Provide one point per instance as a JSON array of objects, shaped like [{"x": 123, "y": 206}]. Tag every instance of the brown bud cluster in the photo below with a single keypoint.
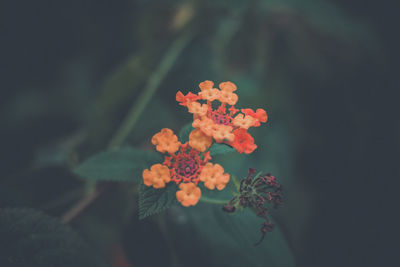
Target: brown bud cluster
[{"x": 256, "y": 193}]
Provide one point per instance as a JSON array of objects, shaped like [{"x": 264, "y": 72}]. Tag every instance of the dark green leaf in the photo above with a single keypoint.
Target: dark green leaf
[
  {"x": 217, "y": 149},
  {"x": 30, "y": 238},
  {"x": 153, "y": 201},
  {"x": 124, "y": 164},
  {"x": 227, "y": 238},
  {"x": 184, "y": 133}
]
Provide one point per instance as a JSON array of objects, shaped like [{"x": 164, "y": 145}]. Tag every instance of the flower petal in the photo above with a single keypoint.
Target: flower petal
[
  {"x": 157, "y": 176},
  {"x": 189, "y": 194},
  {"x": 199, "y": 140},
  {"x": 166, "y": 141}
]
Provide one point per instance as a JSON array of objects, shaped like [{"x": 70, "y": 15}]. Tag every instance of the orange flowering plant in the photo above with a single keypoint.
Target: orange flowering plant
[
  {"x": 213, "y": 120},
  {"x": 181, "y": 168},
  {"x": 186, "y": 165}
]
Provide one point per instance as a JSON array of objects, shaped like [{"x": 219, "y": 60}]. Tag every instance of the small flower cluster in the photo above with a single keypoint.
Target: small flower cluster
[
  {"x": 188, "y": 164},
  {"x": 213, "y": 119},
  {"x": 254, "y": 193}
]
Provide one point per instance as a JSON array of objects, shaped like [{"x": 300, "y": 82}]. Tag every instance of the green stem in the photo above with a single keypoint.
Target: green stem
[
  {"x": 151, "y": 87},
  {"x": 81, "y": 205},
  {"x": 213, "y": 201},
  {"x": 236, "y": 182}
]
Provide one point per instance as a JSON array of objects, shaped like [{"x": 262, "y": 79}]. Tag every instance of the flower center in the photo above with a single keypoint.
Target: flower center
[
  {"x": 187, "y": 166},
  {"x": 219, "y": 118}
]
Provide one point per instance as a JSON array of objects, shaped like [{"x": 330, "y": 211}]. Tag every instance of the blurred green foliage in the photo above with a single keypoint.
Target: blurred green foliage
[
  {"x": 206, "y": 236},
  {"x": 30, "y": 238},
  {"x": 125, "y": 164},
  {"x": 72, "y": 84}
]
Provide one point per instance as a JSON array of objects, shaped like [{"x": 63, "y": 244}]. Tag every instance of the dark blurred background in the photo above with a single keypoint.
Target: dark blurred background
[{"x": 326, "y": 71}]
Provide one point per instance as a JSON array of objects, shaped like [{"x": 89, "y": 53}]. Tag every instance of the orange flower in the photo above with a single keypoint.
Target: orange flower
[
  {"x": 260, "y": 115},
  {"x": 157, "y": 176},
  {"x": 210, "y": 94},
  {"x": 189, "y": 194},
  {"x": 206, "y": 85},
  {"x": 183, "y": 99},
  {"x": 200, "y": 141},
  {"x": 197, "y": 108},
  {"x": 243, "y": 142},
  {"x": 166, "y": 141},
  {"x": 185, "y": 162},
  {"x": 213, "y": 176},
  {"x": 244, "y": 122},
  {"x": 227, "y": 86},
  {"x": 233, "y": 110},
  {"x": 219, "y": 124},
  {"x": 205, "y": 124},
  {"x": 228, "y": 97},
  {"x": 183, "y": 165},
  {"x": 223, "y": 133}
]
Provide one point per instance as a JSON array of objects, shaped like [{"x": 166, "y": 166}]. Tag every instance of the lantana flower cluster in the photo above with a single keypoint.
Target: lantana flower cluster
[
  {"x": 188, "y": 164},
  {"x": 185, "y": 164},
  {"x": 215, "y": 115}
]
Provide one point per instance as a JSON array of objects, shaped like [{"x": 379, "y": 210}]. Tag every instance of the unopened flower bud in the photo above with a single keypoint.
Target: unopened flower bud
[{"x": 229, "y": 209}]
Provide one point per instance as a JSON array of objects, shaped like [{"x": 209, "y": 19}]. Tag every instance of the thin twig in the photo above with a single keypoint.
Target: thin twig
[
  {"x": 82, "y": 204},
  {"x": 67, "y": 198}
]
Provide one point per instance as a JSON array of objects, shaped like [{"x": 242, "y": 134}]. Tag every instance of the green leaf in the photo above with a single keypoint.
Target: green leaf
[
  {"x": 124, "y": 164},
  {"x": 227, "y": 238},
  {"x": 153, "y": 201},
  {"x": 31, "y": 238},
  {"x": 185, "y": 132},
  {"x": 218, "y": 149}
]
